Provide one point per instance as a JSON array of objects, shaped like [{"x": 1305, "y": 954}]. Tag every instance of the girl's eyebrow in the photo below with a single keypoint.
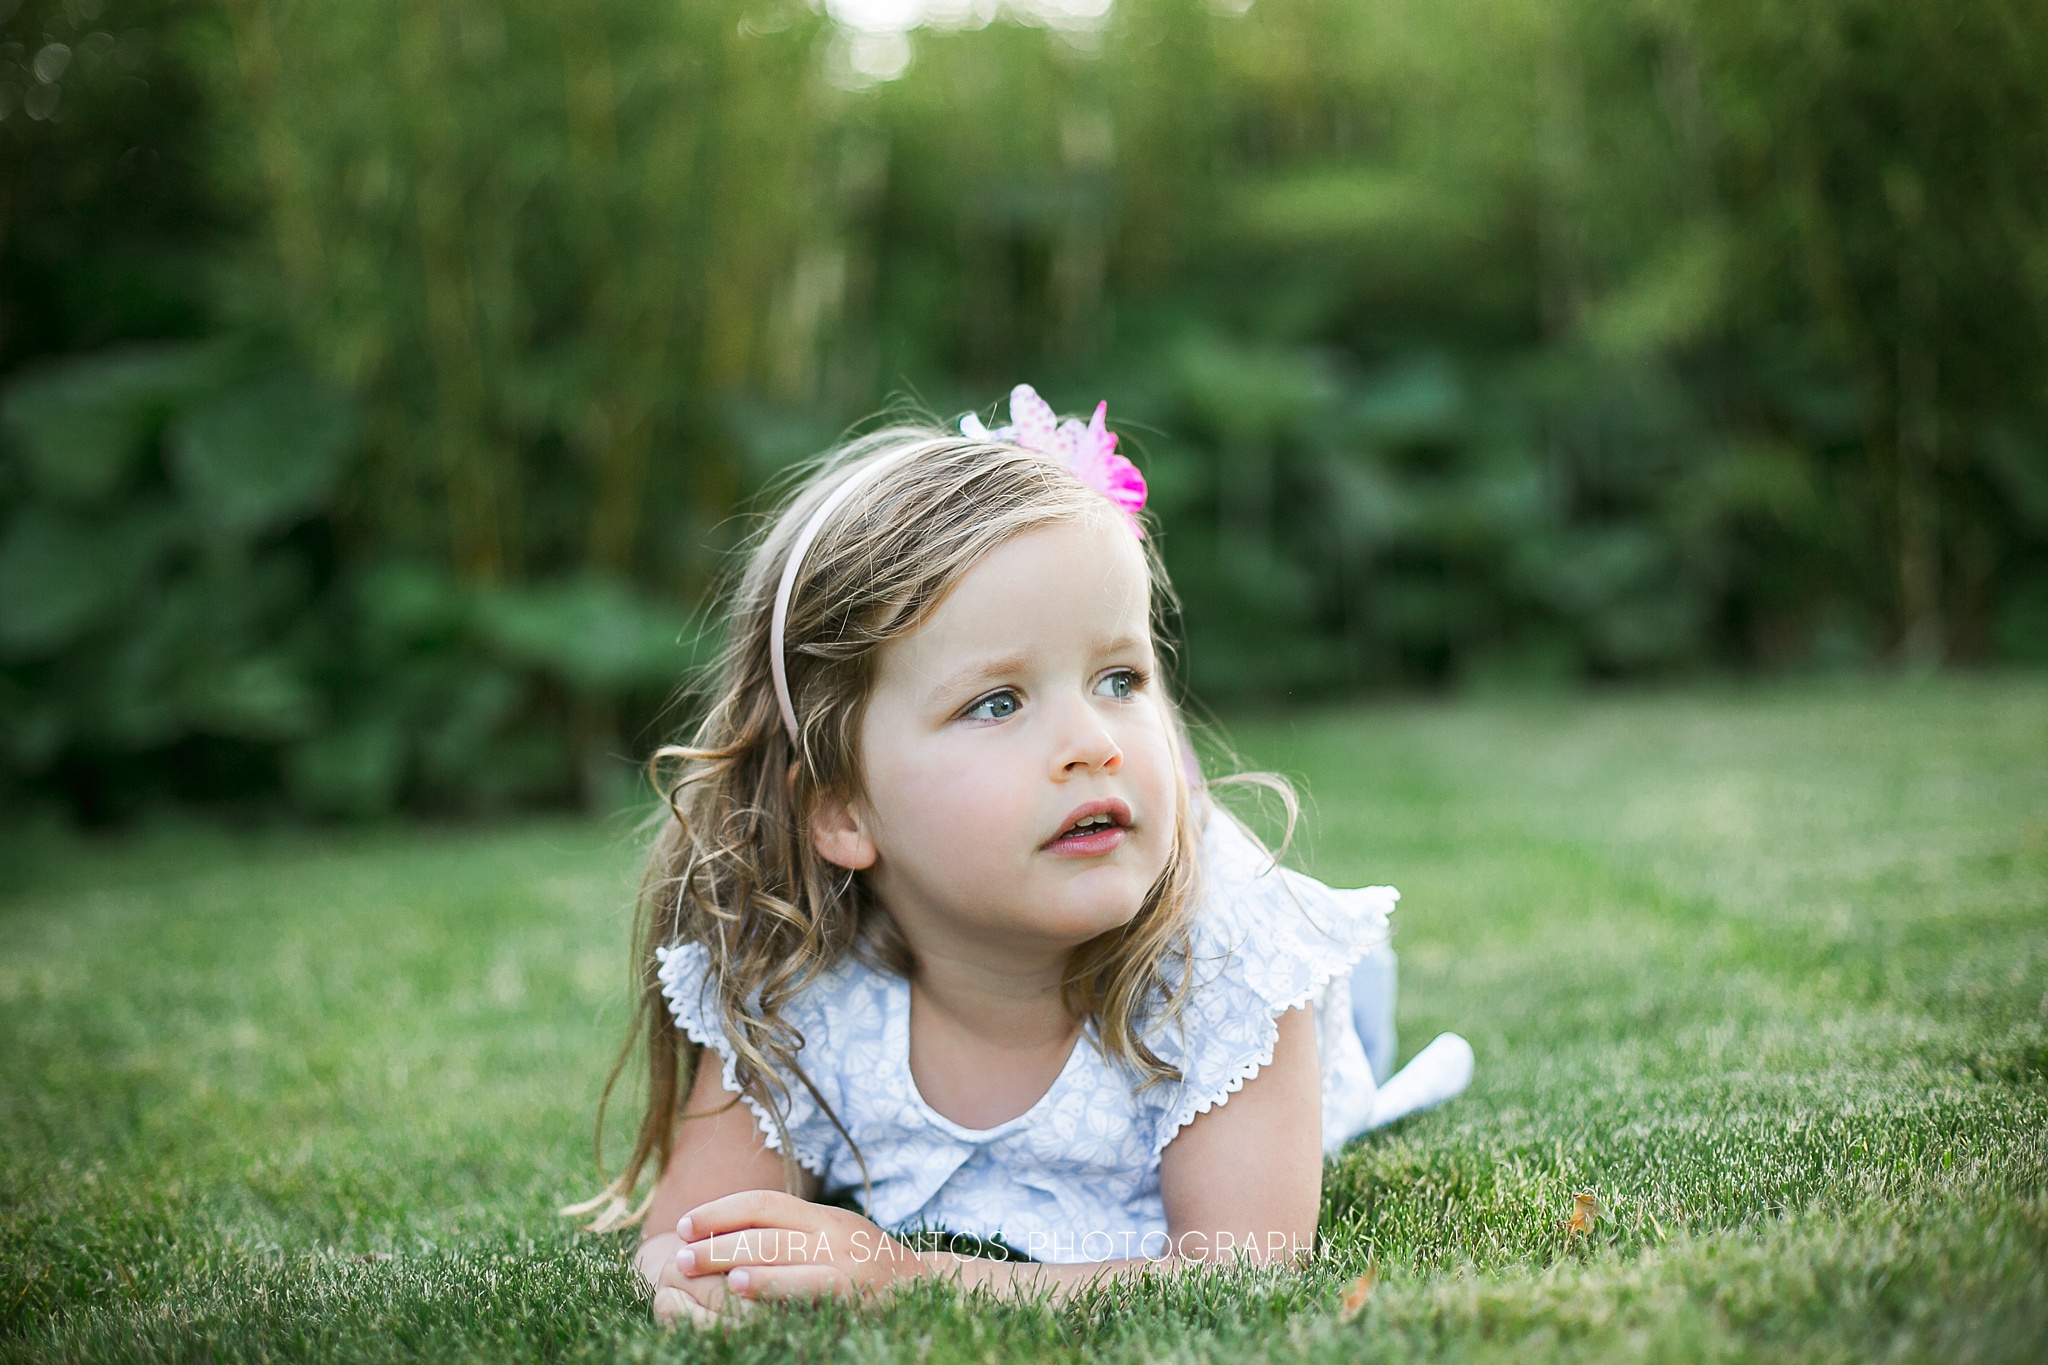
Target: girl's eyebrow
[
  {"x": 1009, "y": 665},
  {"x": 982, "y": 671}
]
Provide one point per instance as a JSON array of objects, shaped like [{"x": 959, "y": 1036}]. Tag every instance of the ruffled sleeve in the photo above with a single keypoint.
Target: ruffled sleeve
[
  {"x": 686, "y": 983},
  {"x": 1266, "y": 940}
]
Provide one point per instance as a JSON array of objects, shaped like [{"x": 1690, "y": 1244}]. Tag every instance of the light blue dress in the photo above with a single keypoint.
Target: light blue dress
[{"x": 1076, "y": 1177}]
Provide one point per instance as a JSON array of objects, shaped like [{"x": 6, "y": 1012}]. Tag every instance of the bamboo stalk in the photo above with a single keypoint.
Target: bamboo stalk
[{"x": 476, "y": 539}]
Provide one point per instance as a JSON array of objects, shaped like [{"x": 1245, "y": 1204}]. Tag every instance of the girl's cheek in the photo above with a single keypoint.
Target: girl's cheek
[
  {"x": 1150, "y": 759},
  {"x": 967, "y": 797}
]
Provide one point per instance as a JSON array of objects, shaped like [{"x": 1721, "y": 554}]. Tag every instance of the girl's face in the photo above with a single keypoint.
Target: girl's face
[{"x": 1019, "y": 769}]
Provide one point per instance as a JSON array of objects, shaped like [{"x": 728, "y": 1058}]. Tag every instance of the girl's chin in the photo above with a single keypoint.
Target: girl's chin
[{"x": 1081, "y": 918}]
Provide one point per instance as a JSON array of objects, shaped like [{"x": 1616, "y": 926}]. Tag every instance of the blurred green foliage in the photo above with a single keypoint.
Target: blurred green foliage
[{"x": 381, "y": 383}]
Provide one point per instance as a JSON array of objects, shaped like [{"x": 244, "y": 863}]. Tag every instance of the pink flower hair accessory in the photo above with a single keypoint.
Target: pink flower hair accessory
[{"x": 1088, "y": 452}]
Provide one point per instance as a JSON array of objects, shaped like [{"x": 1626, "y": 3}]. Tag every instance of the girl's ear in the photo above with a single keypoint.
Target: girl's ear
[{"x": 837, "y": 834}]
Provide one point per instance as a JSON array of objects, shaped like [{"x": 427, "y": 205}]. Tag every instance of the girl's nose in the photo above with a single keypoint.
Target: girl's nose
[{"x": 1086, "y": 745}]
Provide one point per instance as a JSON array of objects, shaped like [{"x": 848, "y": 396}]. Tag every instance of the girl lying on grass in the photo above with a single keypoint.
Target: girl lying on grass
[{"x": 942, "y": 924}]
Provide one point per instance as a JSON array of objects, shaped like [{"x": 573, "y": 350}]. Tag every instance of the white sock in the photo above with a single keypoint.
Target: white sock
[{"x": 1439, "y": 1072}]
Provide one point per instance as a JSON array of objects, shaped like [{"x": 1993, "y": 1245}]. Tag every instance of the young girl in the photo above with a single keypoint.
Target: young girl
[{"x": 943, "y": 926}]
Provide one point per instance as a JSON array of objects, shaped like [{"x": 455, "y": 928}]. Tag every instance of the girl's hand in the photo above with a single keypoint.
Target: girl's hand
[
  {"x": 763, "y": 1244},
  {"x": 679, "y": 1297}
]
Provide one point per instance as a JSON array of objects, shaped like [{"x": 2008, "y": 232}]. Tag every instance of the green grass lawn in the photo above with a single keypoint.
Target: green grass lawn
[{"x": 1768, "y": 970}]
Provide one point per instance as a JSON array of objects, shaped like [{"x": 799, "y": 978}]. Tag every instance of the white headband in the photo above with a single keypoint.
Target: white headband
[{"x": 851, "y": 484}]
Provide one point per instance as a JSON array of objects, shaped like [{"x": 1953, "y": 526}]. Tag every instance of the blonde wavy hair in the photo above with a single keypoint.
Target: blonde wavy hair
[{"x": 733, "y": 867}]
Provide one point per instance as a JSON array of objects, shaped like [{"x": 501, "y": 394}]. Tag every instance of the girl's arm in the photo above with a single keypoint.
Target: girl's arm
[
  {"x": 1253, "y": 1166},
  {"x": 1244, "y": 1179},
  {"x": 719, "y": 1150}
]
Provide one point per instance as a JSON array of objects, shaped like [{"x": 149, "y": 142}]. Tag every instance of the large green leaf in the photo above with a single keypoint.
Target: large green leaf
[
  {"x": 1250, "y": 391},
  {"x": 263, "y": 454},
  {"x": 1670, "y": 301},
  {"x": 33, "y": 725},
  {"x": 354, "y": 769},
  {"x": 594, "y": 633},
  {"x": 1322, "y": 206},
  {"x": 412, "y": 602},
  {"x": 2017, "y": 461},
  {"x": 1419, "y": 399},
  {"x": 61, "y": 573},
  {"x": 259, "y": 697},
  {"x": 82, "y": 424}
]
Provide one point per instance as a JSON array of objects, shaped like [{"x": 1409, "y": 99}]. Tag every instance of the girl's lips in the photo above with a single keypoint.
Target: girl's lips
[
  {"x": 1089, "y": 845},
  {"x": 1100, "y": 838}
]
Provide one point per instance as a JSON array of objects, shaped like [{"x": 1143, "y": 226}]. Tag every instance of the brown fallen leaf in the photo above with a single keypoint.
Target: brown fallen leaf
[
  {"x": 1359, "y": 1292},
  {"x": 1586, "y": 1211}
]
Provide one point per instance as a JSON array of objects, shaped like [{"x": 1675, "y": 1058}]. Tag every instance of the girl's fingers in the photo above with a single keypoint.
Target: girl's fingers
[
  {"x": 708, "y": 1290},
  {"x": 788, "y": 1282},
  {"x": 749, "y": 1209},
  {"x": 673, "y": 1276},
  {"x": 673, "y": 1307},
  {"x": 760, "y": 1246}
]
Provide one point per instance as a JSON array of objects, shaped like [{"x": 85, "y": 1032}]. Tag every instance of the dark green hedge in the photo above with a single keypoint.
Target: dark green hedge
[{"x": 381, "y": 383}]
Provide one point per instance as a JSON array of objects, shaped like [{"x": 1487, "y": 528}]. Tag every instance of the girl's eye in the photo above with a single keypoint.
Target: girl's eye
[
  {"x": 994, "y": 706},
  {"x": 1119, "y": 684}
]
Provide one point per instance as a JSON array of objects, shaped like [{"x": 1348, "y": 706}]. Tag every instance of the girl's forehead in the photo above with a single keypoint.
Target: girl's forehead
[
  {"x": 1077, "y": 584},
  {"x": 1079, "y": 568}
]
